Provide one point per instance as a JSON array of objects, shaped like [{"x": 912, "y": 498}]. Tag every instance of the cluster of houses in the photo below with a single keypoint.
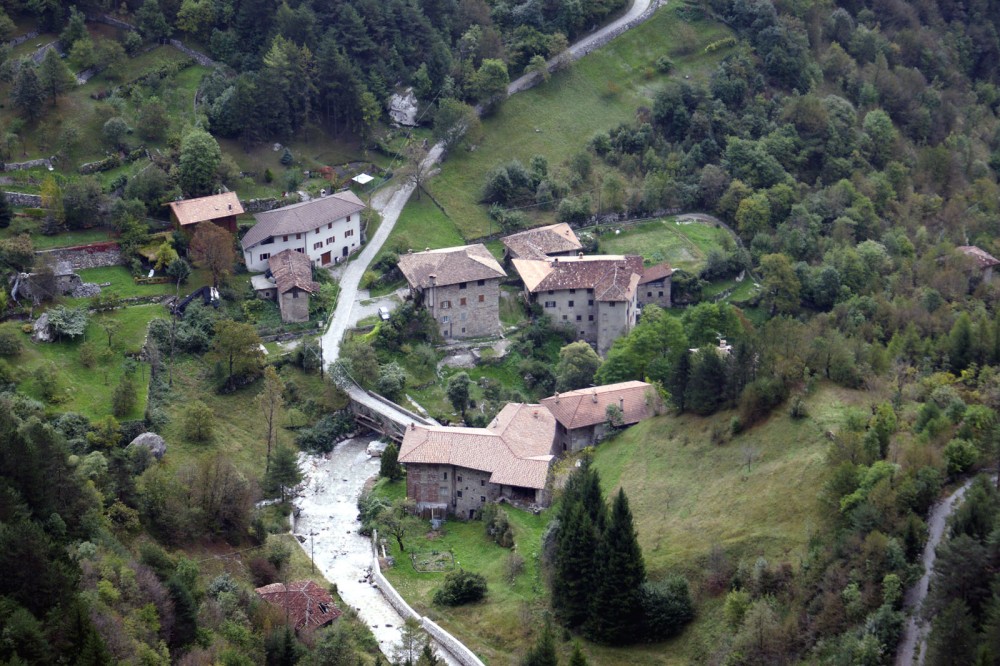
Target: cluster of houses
[
  {"x": 599, "y": 296},
  {"x": 455, "y": 470}
]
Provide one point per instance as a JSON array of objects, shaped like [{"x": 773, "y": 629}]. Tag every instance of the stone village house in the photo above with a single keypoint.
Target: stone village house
[
  {"x": 459, "y": 286},
  {"x": 288, "y": 280},
  {"x": 219, "y": 209},
  {"x": 454, "y": 470},
  {"x": 596, "y": 295},
  {"x": 326, "y": 230},
  {"x": 582, "y": 415},
  {"x": 654, "y": 286}
]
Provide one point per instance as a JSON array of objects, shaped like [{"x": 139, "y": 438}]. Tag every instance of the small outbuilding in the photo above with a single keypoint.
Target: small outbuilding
[
  {"x": 219, "y": 209},
  {"x": 983, "y": 260},
  {"x": 289, "y": 281},
  {"x": 307, "y": 605},
  {"x": 582, "y": 416}
]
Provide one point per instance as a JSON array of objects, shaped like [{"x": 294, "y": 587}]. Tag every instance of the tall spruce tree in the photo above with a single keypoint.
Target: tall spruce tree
[
  {"x": 616, "y": 604},
  {"x": 575, "y": 572}
]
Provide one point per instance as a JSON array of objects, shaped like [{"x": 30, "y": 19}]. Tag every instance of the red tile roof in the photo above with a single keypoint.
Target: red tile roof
[
  {"x": 516, "y": 448},
  {"x": 540, "y": 242},
  {"x": 612, "y": 277},
  {"x": 308, "y": 605},
  {"x": 292, "y": 269},
  {"x": 982, "y": 258},
  {"x": 450, "y": 265},
  {"x": 203, "y": 209},
  {"x": 656, "y": 273},
  {"x": 587, "y": 407}
]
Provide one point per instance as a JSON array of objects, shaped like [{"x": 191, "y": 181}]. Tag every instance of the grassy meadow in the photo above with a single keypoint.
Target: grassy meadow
[
  {"x": 82, "y": 389},
  {"x": 682, "y": 245},
  {"x": 557, "y": 118}
]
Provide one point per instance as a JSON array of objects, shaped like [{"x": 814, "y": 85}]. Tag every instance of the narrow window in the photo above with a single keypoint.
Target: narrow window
[
  {"x": 461, "y": 301},
  {"x": 571, "y": 304},
  {"x": 482, "y": 298},
  {"x": 463, "y": 285},
  {"x": 481, "y": 282}
]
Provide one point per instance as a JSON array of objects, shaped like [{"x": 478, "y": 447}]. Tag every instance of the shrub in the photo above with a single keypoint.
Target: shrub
[
  {"x": 666, "y": 607},
  {"x": 664, "y": 65},
  {"x": 199, "y": 422},
  {"x": 10, "y": 343},
  {"x": 262, "y": 572},
  {"x": 326, "y": 433},
  {"x": 461, "y": 587},
  {"x": 737, "y": 603},
  {"x": 960, "y": 454}
]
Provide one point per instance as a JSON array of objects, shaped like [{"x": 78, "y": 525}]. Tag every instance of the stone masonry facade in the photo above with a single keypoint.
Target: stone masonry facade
[
  {"x": 467, "y": 309},
  {"x": 458, "y": 490},
  {"x": 97, "y": 255},
  {"x": 598, "y": 322},
  {"x": 294, "y": 305}
]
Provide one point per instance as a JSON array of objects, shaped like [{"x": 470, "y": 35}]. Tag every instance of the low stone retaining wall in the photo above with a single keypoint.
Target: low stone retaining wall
[
  {"x": 30, "y": 164},
  {"x": 455, "y": 647},
  {"x": 199, "y": 58},
  {"x": 95, "y": 255},
  {"x": 17, "y": 41},
  {"x": 24, "y": 200},
  {"x": 261, "y": 205}
]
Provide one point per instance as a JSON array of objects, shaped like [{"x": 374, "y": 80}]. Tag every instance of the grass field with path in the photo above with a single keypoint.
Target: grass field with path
[{"x": 557, "y": 118}]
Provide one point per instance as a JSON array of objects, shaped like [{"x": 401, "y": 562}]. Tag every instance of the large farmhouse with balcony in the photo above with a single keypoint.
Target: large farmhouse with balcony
[
  {"x": 457, "y": 471},
  {"x": 327, "y": 230},
  {"x": 596, "y": 295},
  {"x": 459, "y": 286},
  {"x": 219, "y": 209},
  {"x": 582, "y": 415}
]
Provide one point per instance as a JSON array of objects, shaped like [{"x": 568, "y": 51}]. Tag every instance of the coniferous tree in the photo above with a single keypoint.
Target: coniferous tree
[
  {"x": 706, "y": 382},
  {"x": 27, "y": 93},
  {"x": 6, "y": 211},
  {"x": 575, "y": 571},
  {"x": 389, "y": 467},
  {"x": 543, "y": 653},
  {"x": 678, "y": 380},
  {"x": 283, "y": 473},
  {"x": 616, "y": 604}
]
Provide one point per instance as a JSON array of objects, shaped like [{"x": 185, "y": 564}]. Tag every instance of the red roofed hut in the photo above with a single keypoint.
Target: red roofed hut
[{"x": 307, "y": 605}]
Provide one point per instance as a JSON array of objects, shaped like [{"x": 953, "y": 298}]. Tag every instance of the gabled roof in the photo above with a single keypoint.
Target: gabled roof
[
  {"x": 655, "y": 273},
  {"x": 302, "y": 217},
  {"x": 613, "y": 277},
  {"x": 540, "y": 242},
  {"x": 516, "y": 447},
  {"x": 308, "y": 605},
  {"x": 203, "y": 209},
  {"x": 587, "y": 407},
  {"x": 982, "y": 258},
  {"x": 292, "y": 269},
  {"x": 450, "y": 265}
]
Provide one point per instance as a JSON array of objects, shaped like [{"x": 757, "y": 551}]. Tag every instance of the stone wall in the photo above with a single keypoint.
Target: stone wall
[
  {"x": 261, "y": 205},
  {"x": 23, "y": 38},
  {"x": 462, "y": 654},
  {"x": 199, "y": 58},
  {"x": 24, "y": 200},
  {"x": 96, "y": 255},
  {"x": 30, "y": 164}
]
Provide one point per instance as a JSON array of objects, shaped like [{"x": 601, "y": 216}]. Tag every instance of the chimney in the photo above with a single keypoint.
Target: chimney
[
  {"x": 230, "y": 206},
  {"x": 621, "y": 404},
  {"x": 413, "y": 426},
  {"x": 536, "y": 413},
  {"x": 555, "y": 260},
  {"x": 557, "y": 397},
  {"x": 579, "y": 255},
  {"x": 594, "y": 394}
]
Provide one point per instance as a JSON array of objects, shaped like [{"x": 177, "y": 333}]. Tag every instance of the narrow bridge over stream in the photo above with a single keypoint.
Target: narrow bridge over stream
[{"x": 382, "y": 415}]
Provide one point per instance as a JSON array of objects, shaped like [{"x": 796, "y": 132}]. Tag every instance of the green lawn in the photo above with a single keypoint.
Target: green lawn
[
  {"x": 420, "y": 226},
  {"x": 486, "y": 626},
  {"x": 557, "y": 118},
  {"x": 682, "y": 245},
  {"x": 31, "y": 226},
  {"x": 89, "y": 390},
  {"x": 125, "y": 286}
]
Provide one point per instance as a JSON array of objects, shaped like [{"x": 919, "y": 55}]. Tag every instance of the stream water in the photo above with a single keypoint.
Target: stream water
[{"x": 327, "y": 529}]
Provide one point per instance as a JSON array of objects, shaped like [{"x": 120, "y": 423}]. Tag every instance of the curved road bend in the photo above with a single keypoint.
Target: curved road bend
[
  {"x": 914, "y": 641},
  {"x": 389, "y": 202}
]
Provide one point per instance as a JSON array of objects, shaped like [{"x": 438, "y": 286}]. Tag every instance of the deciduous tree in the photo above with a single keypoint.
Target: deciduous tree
[
  {"x": 212, "y": 246},
  {"x": 270, "y": 402},
  {"x": 200, "y": 158},
  {"x": 578, "y": 362},
  {"x": 238, "y": 346}
]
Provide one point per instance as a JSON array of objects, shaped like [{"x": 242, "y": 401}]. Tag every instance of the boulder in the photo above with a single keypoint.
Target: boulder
[
  {"x": 150, "y": 440},
  {"x": 41, "y": 331},
  {"x": 403, "y": 108}
]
